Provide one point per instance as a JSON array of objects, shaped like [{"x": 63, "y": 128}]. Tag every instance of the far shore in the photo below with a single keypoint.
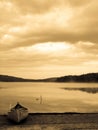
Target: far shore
[{"x": 84, "y": 78}]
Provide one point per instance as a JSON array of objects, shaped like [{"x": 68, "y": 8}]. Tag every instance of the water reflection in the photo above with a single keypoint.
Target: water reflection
[{"x": 88, "y": 90}]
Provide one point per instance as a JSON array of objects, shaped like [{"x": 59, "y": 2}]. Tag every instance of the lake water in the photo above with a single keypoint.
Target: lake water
[{"x": 49, "y": 97}]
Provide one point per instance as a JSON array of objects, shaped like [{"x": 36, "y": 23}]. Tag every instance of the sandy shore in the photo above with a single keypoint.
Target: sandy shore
[{"x": 53, "y": 121}]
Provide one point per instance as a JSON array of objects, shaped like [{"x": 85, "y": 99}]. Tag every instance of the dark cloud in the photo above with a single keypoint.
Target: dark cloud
[
  {"x": 77, "y": 3},
  {"x": 34, "y": 6},
  {"x": 36, "y": 28},
  {"x": 42, "y": 6}
]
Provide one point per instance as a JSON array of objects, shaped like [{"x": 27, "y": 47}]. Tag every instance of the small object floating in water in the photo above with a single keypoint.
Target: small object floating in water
[{"x": 18, "y": 113}]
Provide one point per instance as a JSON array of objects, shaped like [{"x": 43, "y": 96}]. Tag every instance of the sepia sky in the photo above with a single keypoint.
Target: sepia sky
[{"x": 48, "y": 38}]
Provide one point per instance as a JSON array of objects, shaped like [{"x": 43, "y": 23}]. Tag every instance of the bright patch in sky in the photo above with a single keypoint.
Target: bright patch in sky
[
  {"x": 49, "y": 47},
  {"x": 6, "y": 36},
  {"x": 15, "y": 29}
]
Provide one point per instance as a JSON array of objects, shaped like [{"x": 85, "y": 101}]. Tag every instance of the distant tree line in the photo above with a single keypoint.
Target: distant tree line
[{"x": 90, "y": 77}]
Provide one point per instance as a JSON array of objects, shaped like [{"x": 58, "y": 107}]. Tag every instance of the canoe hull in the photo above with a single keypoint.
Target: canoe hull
[{"x": 18, "y": 115}]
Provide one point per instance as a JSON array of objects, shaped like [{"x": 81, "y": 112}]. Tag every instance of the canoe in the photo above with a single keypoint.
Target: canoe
[{"x": 18, "y": 113}]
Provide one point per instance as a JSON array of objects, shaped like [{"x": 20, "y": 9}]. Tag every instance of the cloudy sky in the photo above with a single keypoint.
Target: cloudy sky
[{"x": 48, "y": 38}]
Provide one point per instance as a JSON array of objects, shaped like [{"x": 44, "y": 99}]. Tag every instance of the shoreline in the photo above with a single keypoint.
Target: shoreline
[{"x": 53, "y": 120}]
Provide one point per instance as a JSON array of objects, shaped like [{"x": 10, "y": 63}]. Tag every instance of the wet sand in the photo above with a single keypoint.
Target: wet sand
[{"x": 53, "y": 121}]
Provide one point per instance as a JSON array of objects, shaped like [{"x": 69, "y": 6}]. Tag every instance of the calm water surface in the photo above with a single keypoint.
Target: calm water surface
[{"x": 48, "y": 97}]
